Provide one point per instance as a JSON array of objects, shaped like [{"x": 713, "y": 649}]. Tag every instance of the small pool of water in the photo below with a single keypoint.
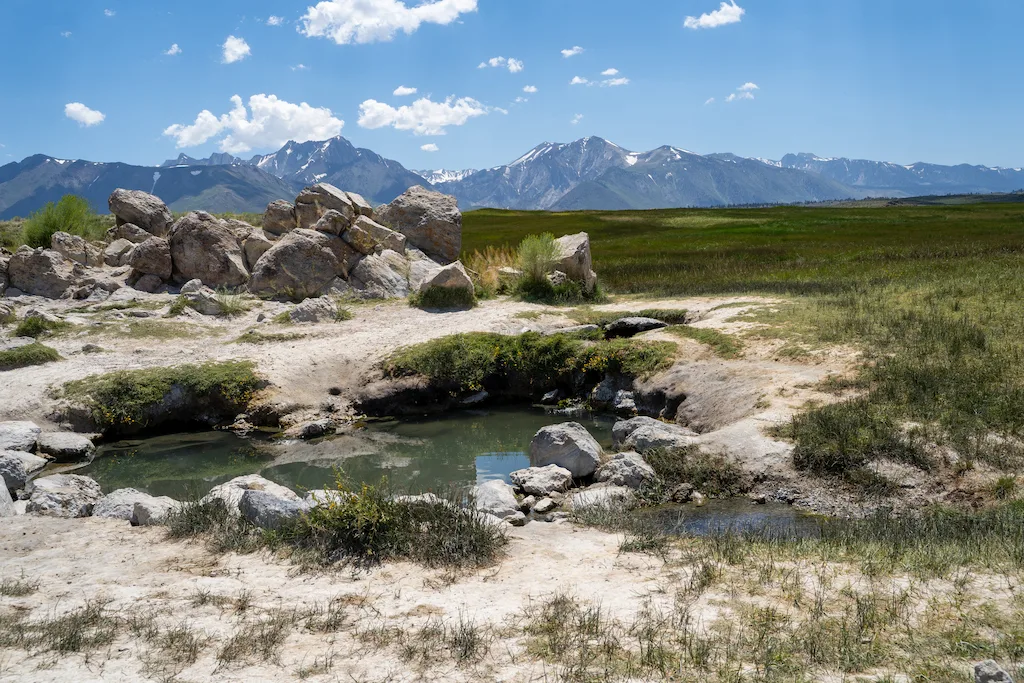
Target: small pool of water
[
  {"x": 416, "y": 455},
  {"x": 733, "y": 514}
]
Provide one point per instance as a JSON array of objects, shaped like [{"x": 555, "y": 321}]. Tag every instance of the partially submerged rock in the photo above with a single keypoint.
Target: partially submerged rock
[
  {"x": 66, "y": 446},
  {"x": 142, "y": 209},
  {"x": 64, "y": 495},
  {"x": 567, "y": 445}
]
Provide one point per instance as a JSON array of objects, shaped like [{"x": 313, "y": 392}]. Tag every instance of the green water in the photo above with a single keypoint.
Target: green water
[
  {"x": 738, "y": 515},
  {"x": 416, "y": 455}
]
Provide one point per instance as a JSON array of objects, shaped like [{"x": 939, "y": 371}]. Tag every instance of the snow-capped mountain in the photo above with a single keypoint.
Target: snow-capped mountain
[{"x": 444, "y": 175}]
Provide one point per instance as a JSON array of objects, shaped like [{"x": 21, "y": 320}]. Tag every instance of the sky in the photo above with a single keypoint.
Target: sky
[{"x": 477, "y": 83}]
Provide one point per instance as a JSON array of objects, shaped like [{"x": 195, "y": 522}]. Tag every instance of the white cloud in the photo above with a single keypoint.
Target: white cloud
[
  {"x": 236, "y": 49},
  {"x": 576, "y": 119},
  {"x": 610, "y": 72},
  {"x": 76, "y": 111},
  {"x": 274, "y": 21},
  {"x": 109, "y": 12},
  {"x": 402, "y": 91},
  {"x": 423, "y": 117},
  {"x": 368, "y": 21},
  {"x": 65, "y": 34},
  {"x": 300, "y": 67},
  {"x": 710, "y": 100},
  {"x": 615, "y": 82},
  {"x": 744, "y": 92},
  {"x": 748, "y": 87},
  {"x": 430, "y": 147},
  {"x": 173, "y": 50},
  {"x": 530, "y": 89},
  {"x": 579, "y": 80},
  {"x": 521, "y": 100},
  {"x": 272, "y": 123},
  {"x": 513, "y": 65},
  {"x": 572, "y": 51},
  {"x": 726, "y": 14}
]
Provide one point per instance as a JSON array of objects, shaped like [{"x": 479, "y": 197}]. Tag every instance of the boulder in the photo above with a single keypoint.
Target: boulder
[
  {"x": 624, "y": 403},
  {"x": 121, "y": 504},
  {"x": 598, "y": 497},
  {"x": 231, "y": 492},
  {"x": 659, "y": 437},
  {"x": 202, "y": 299},
  {"x": 626, "y": 469},
  {"x": 452, "y": 276},
  {"x": 567, "y": 445},
  {"x": 575, "y": 261},
  {"x": 66, "y": 446},
  {"x": 361, "y": 206},
  {"x": 630, "y": 327},
  {"x": 381, "y": 276},
  {"x": 64, "y": 495},
  {"x": 268, "y": 511},
  {"x": 116, "y": 253},
  {"x": 279, "y": 217},
  {"x": 13, "y": 475},
  {"x": 142, "y": 209},
  {"x": 19, "y": 436},
  {"x": 71, "y": 247},
  {"x": 254, "y": 246},
  {"x": 990, "y": 672},
  {"x": 152, "y": 510},
  {"x": 150, "y": 284},
  {"x": 544, "y": 506},
  {"x": 430, "y": 220},
  {"x": 421, "y": 267},
  {"x": 152, "y": 257},
  {"x": 5, "y": 279},
  {"x": 622, "y": 430},
  {"x": 496, "y": 498},
  {"x": 204, "y": 247},
  {"x": 365, "y": 235},
  {"x": 319, "y": 310},
  {"x": 128, "y": 231},
  {"x": 41, "y": 272},
  {"x": 31, "y": 463},
  {"x": 301, "y": 264},
  {"x": 542, "y": 481},
  {"x": 332, "y": 223},
  {"x": 313, "y": 202}
]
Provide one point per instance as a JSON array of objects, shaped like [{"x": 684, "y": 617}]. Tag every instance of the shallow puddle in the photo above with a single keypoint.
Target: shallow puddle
[{"x": 739, "y": 515}]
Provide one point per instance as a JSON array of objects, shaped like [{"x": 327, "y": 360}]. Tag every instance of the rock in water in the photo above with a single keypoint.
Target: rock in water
[
  {"x": 990, "y": 672},
  {"x": 567, "y": 445},
  {"x": 152, "y": 257},
  {"x": 19, "y": 436},
  {"x": 64, "y": 495},
  {"x": 626, "y": 469},
  {"x": 630, "y": 327},
  {"x": 141, "y": 209},
  {"x": 496, "y": 498},
  {"x": 268, "y": 511},
  {"x": 542, "y": 481},
  {"x": 279, "y": 218},
  {"x": 41, "y": 272},
  {"x": 430, "y": 220},
  {"x": 66, "y": 446},
  {"x": 203, "y": 247},
  {"x": 575, "y": 261}
]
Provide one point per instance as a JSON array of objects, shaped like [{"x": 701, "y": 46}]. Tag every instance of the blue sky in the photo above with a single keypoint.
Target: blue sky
[{"x": 898, "y": 80}]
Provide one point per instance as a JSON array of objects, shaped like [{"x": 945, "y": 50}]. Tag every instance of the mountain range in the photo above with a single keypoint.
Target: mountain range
[{"x": 590, "y": 173}]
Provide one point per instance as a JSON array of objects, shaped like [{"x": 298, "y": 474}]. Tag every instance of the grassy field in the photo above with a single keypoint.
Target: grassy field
[{"x": 932, "y": 295}]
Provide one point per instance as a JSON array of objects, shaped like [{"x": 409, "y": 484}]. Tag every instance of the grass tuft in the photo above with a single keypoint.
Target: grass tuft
[
  {"x": 24, "y": 356},
  {"x": 723, "y": 345},
  {"x": 444, "y": 298}
]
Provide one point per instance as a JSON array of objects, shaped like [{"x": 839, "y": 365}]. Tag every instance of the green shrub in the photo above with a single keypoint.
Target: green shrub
[
  {"x": 343, "y": 314},
  {"x": 537, "y": 256},
  {"x": 36, "y": 326},
  {"x": 71, "y": 214},
  {"x": 231, "y": 304},
  {"x": 24, "y": 356},
  {"x": 710, "y": 474},
  {"x": 444, "y": 298}
]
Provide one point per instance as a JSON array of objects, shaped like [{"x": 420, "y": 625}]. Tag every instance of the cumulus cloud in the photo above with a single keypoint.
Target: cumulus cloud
[
  {"x": 430, "y": 147},
  {"x": 513, "y": 65},
  {"x": 748, "y": 87},
  {"x": 76, "y": 111},
  {"x": 530, "y": 89},
  {"x": 521, "y": 99},
  {"x": 744, "y": 92},
  {"x": 615, "y": 82},
  {"x": 579, "y": 80},
  {"x": 610, "y": 72},
  {"x": 300, "y": 67},
  {"x": 576, "y": 119},
  {"x": 109, "y": 12},
  {"x": 423, "y": 117},
  {"x": 606, "y": 83},
  {"x": 272, "y": 123},
  {"x": 368, "y": 21},
  {"x": 173, "y": 50},
  {"x": 236, "y": 49},
  {"x": 726, "y": 14},
  {"x": 572, "y": 51},
  {"x": 274, "y": 21},
  {"x": 402, "y": 91}
]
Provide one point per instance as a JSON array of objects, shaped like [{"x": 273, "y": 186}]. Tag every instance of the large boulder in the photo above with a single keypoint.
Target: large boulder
[
  {"x": 332, "y": 223},
  {"x": 19, "y": 435},
  {"x": 452, "y": 276},
  {"x": 496, "y": 498},
  {"x": 430, "y": 220},
  {"x": 361, "y": 206},
  {"x": 313, "y": 202},
  {"x": 301, "y": 264},
  {"x": 121, "y": 504},
  {"x": 365, "y": 235},
  {"x": 279, "y": 217},
  {"x": 142, "y": 209},
  {"x": 116, "y": 253},
  {"x": 268, "y": 511},
  {"x": 601, "y": 497},
  {"x": 567, "y": 445},
  {"x": 319, "y": 310},
  {"x": 575, "y": 261},
  {"x": 204, "y": 247},
  {"x": 421, "y": 267},
  {"x": 31, "y": 463},
  {"x": 151, "y": 511},
  {"x": 152, "y": 257},
  {"x": 231, "y": 492},
  {"x": 75, "y": 248},
  {"x": 64, "y": 495},
  {"x": 13, "y": 475},
  {"x": 41, "y": 272},
  {"x": 542, "y": 481},
  {"x": 66, "y": 446},
  {"x": 128, "y": 231},
  {"x": 626, "y": 469},
  {"x": 382, "y": 276}
]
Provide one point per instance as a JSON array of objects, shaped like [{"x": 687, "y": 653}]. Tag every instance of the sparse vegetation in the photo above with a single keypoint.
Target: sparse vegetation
[
  {"x": 24, "y": 356},
  {"x": 232, "y": 304},
  {"x": 443, "y": 298},
  {"x": 712, "y": 475},
  {"x": 723, "y": 345},
  {"x": 36, "y": 326},
  {"x": 257, "y": 337},
  {"x": 72, "y": 214}
]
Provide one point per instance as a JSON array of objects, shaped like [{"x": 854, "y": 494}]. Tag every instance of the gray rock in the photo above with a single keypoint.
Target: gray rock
[
  {"x": 698, "y": 499},
  {"x": 430, "y": 220},
  {"x": 204, "y": 247},
  {"x": 567, "y": 445},
  {"x": 192, "y": 286},
  {"x": 361, "y": 206},
  {"x": 452, "y": 276},
  {"x": 319, "y": 310},
  {"x": 517, "y": 519},
  {"x": 624, "y": 403},
  {"x": 64, "y": 495},
  {"x": 365, "y": 235},
  {"x": 279, "y": 218},
  {"x": 152, "y": 257},
  {"x": 597, "y": 497},
  {"x": 630, "y": 327},
  {"x": 382, "y": 276},
  {"x": 626, "y": 469},
  {"x": 202, "y": 299},
  {"x": 5, "y": 280},
  {"x": 526, "y": 504},
  {"x": 544, "y": 506},
  {"x": 332, "y": 223},
  {"x": 151, "y": 284},
  {"x": 496, "y": 498},
  {"x": 575, "y": 261},
  {"x": 578, "y": 330},
  {"x": 31, "y": 463},
  {"x": 655, "y": 429},
  {"x": 604, "y": 393},
  {"x": 231, "y": 492},
  {"x": 7, "y": 314},
  {"x": 19, "y": 436},
  {"x": 542, "y": 481},
  {"x": 116, "y": 253},
  {"x": 41, "y": 272},
  {"x": 990, "y": 672},
  {"x": 128, "y": 231},
  {"x": 421, "y": 267},
  {"x": 152, "y": 511},
  {"x": 121, "y": 504},
  {"x": 142, "y": 209},
  {"x": 7, "y": 508},
  {"x": 66, "y": 446},
  {"x": 13, "y": 475},
  {"x": 301, "y": 264},
  {"x": 254, "y": 246},
  {"x": 664, "y": 437},
  {"x": 312, "y": 429},
  {"x": 313, "y": 202},
  {"x": 268, "y": 511},
  {"x": 71, "y": 247}
]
